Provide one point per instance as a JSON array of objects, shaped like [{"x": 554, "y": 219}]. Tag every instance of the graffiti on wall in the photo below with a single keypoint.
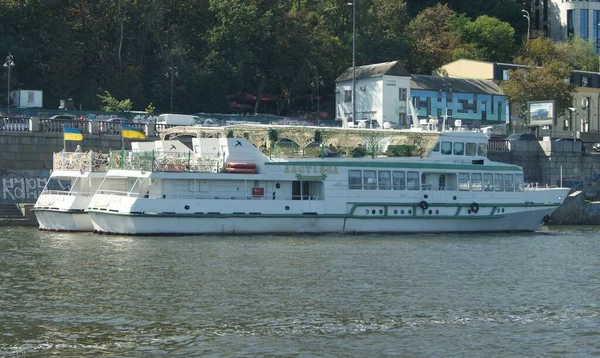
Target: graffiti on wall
[
  {"x": 22, "y": 186},
  {"x": 577, "y": 182}
]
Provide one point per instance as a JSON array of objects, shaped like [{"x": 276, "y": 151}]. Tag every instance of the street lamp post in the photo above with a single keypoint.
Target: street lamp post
[
  {"x": 318, "y": 81},
  {"x": 173, "y": 72},
  {"x": 353, "y": 4},
  {"x": 526, "y": 15},
  {"x": 8, "y": 64}
]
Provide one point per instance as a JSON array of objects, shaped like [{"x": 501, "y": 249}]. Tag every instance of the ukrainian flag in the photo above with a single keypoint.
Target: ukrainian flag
[
  {"x": 72, "y": 134},
  {"x": 132, "y": 132}
]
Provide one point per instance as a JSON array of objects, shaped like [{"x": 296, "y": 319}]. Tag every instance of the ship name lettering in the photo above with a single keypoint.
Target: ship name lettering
[{"x": 309, "y": 169}]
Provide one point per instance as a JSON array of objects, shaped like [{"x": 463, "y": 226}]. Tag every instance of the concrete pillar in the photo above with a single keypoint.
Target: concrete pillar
[
  {"x": 150, "y": 130},
  {"x": 94, "y": 127},
  {"x": 34, "y": 124}
]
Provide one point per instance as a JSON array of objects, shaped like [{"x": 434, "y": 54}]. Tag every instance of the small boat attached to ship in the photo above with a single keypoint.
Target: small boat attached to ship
[
  {"x": 74, "y": 180},
  {"x": 420, "y": 179}
]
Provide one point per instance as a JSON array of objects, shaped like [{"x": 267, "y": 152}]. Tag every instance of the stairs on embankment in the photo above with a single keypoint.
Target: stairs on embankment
[{"x": 12, "y": 215}]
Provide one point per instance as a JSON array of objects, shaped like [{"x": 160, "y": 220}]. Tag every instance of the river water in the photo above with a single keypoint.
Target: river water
[{"x": 501, "y": 295}]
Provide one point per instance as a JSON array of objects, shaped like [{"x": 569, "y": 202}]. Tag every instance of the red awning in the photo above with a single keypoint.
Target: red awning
[
  {"x": 242, "y": 97},
  {"x": 233, "y": 105}
]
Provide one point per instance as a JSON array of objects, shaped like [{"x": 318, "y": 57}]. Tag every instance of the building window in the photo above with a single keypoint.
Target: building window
[
  {"x": 505, "y": 75},
  {"x": 585, "y": 81},
  {"x": 596, "y": 31},
  {"x": 402, "y": 94},
  {"x": 30, "y": 97},
  {"x": 570, "y": 23},
  {"x": 583, "y": 28},
  {"x": 348, "y": 96},
  {"x": 402, "y": 118}
]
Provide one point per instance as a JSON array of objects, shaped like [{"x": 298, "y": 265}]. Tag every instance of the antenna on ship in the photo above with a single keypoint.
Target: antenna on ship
[{"x": 444, "y": 121}]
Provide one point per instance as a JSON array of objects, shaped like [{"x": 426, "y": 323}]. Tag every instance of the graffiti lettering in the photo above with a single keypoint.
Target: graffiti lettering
[{"x": 24, "y": 186}]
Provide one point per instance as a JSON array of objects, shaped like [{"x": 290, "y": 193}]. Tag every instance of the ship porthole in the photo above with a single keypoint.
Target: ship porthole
[
  {"x": 402, "y": 212},
  {"x": 367, "y": 211},
  {"x": 277, "y": 185},
  {"x": 187, "y": 207},
  {"x": 430, "y": 212},
  {"x": 380, "y": 211},
  {"x": 395, "y": 212},
  {"x": 454, "y": 197},
  {"x": 287, "y": 208},
  {"x": 426, "y": 196},
  {"x": 409, "y": 212},
  {"x": 373, "y": 211},
  {"x": 437, "y": 212}
]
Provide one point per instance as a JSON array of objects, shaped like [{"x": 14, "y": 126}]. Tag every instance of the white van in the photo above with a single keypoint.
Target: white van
[{"x": 178, "y": 119}]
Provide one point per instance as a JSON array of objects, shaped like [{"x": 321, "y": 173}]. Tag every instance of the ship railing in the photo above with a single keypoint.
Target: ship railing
[
  {"x": 65, "y": 193},
  {"x": 151, "y": 161},
  {"x": 83, "y": 161}
]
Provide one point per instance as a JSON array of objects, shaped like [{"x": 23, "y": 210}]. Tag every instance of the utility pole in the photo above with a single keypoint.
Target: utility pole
[
  {"x": 353, "y": 4},
  {"x": 9, "y": 63},
  {"x": 526, "y": 15},
  {"x": 318, "y": 81},
  {"x": 173, "y": 73}
]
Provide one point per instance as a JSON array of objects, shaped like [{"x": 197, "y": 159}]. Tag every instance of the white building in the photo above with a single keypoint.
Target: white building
[
  {"x": 559, "y": 19},
  {"x": 382, "y": 94},
  {"x": 27, "y": 98}
]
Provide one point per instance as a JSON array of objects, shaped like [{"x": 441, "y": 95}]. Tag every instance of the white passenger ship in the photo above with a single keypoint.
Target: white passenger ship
[
  {"x": 228, "y": 186},
  {"x": 74, "y": 179}
]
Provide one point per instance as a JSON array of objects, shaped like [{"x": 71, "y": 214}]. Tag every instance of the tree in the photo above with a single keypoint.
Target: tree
[
  {"x": 541, "y": 78},
  {"x": 431, "y": 39},
  {"x": 486, "y": 39},
  {"x": 111, "y": 104},
  {"x": 580, "y": 54}
]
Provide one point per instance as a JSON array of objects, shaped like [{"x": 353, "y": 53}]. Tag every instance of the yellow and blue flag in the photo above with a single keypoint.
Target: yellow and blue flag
[
  {"x": 132, "y": 132},
  {"x": 71, "y": 133}
]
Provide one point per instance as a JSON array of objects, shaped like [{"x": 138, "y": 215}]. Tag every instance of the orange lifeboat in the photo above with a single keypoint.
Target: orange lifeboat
[
  {"x": 240, "y": 168},
  {"x": 241, "y": 165}
]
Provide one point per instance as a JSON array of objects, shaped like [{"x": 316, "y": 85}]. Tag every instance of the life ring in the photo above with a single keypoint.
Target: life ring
[
  {"x": 423, "y": 205},
  {"x": 475, "y": 208}
]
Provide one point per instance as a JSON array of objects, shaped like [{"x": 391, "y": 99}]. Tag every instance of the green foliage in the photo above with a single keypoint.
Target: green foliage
[
  {"x": 486, "y": 39},
  {"x": 150, "y": 108},
  {"x": 273, "y": 136},
  {"x": 111, "y": 104},
  {"x": 580, "y": 54},
  {"x": 542, "y": 79}
]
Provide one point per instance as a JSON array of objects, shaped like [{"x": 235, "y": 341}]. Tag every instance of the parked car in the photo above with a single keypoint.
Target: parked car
[
  {"x": 596, "y": 147},
  {"x": 62, "y": 117},
  {"x": 522, "y": 136},
  {"x": 571, "y": 139}
]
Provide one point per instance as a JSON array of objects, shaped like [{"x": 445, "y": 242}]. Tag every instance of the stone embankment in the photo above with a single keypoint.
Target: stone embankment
[{"x": 17, "y": 215}]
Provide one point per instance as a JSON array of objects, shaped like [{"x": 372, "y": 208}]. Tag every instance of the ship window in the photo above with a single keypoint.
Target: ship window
[
  {"x": 482, "y": 149},
  {"x": 519, "y": 184},
  {"x": 399, "y": 180},
  {"x": 471, "y": 149},
  {"x": 370, "y": 180},
  {"x": 436, "y": 148},
  {"x": 488, "y": 182},
  {"x": 347, "y": 96},
  {"x": 459, "y": 148},
  {"x": 463, "y": 181},
  {"x": 354, "y": 179},
  {"x": 447, "y": 148},
  {"x": 476, "y": 182},
  {"x": 509, "y": 182},
  {"x": 498, "y": 182},
  {"x": 412, "y": 179},
  {"x": 384, "y": 180}
]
